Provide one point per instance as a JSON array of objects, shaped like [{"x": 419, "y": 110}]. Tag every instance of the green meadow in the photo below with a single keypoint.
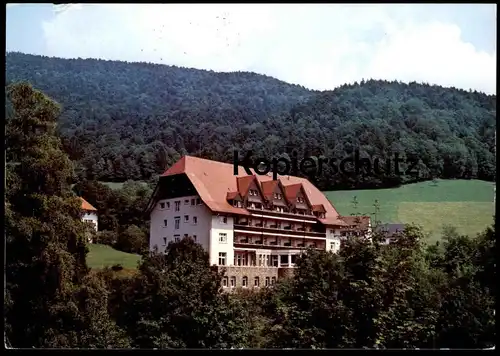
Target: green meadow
[
  {"x": 464, "y": 204},
  {"x": 101, "y": 256}
]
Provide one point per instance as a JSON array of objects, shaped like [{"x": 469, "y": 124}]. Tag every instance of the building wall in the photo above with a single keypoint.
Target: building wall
[
  {"x": 332, "y": 239},
  {"x": 251, "y": 273},
  {"x": 90, "y": 215},
  {"x": 215, "y": 246},
  {"x": 158, "y": 230}
]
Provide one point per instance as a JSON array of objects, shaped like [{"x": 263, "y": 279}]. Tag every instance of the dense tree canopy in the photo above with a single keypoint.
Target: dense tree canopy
[
  {"x": 49, "y": 293},
  {"x": 124, "y": 121}
]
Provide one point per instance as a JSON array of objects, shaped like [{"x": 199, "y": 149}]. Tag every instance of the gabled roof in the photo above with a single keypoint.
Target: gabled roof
[
  {"x": 268, "y": 188},
  {"x": 243, "y": 184},
  {"x": 86, "y": 205},
  {"x": 291, "y": 192},
  {"x": 213, "y": 180},
  {"x": 362, "y": 222}
]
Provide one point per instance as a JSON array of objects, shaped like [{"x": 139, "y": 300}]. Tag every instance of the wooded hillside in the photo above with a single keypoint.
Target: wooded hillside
[{"x": 125, "y": 121}]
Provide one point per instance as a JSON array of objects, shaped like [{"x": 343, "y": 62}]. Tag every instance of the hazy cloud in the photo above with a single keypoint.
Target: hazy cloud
[{"x": 318, "y": 46}]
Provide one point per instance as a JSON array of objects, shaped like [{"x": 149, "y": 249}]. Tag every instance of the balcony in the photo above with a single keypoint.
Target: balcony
[
  {"x": 273, "y": 229},
  {"x": 277, "y": 214},
  {"x": 274, "y": 243}
]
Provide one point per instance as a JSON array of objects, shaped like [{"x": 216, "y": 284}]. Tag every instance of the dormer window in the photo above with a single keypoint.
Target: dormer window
[
  {"x": 300, "y": 200},
  {"x": 278, "y": 196},
  {"x": 237, "y": 204},
  {"x": 253, "y": 192}
]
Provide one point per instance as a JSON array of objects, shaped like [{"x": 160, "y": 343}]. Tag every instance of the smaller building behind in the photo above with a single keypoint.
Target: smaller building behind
[
  {"x": 89, "y": 215},
  {"x": 390, "y": 231}
]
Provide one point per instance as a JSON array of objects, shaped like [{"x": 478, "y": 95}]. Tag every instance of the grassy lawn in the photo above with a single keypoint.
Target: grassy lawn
[
  {"x": 101, "y": 256},
  {"x": 465, "y": 204}
]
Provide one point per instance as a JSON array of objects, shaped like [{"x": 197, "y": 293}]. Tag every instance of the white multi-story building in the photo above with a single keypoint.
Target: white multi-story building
[
  {"x": 89, "y": 214},
  {"x": 251, "y": 224}
]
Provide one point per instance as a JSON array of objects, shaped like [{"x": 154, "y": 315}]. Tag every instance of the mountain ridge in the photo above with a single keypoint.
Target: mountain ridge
[{"x": 132, "y": 120}]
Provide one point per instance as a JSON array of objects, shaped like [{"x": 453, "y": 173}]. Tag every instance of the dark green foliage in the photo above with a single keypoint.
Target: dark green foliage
[
  {"x": 122, "y": 221},
  {"x": 176, "y": 302},
  {"x": 385, "y": 296},
  {"x": 125, "y": 121},
  {"x": 132, "y": 240},
  {"x": 47, "y": 279}
]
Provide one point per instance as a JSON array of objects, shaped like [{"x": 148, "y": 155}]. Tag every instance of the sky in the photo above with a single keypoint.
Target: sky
[{"x": 319, "y": 46}]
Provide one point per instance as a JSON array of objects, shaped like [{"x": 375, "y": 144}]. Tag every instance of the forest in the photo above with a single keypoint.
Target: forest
[
  {"x": 130, "y": 121},
  {"x": 404, "y": 295}
]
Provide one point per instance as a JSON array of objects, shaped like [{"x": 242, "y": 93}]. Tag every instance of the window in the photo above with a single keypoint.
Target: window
[
  {"x": 256, "y": 282},
  {"x": 164, "y": 241},
  {"x": 277, "y": 196},
  {"x": 186, "y": 218},
  {"x": 223, "y": 220},
  {"x": 244, "y": 281},
  {"x": 177, "y": 238},
  {"x": 195, "y": 220},
  {"x": 194, "y": 238},
  {"x": 267, "y": 281},
  {"x": 165, "y": 223},
  {"x": 332, "y": 245},
  {"x": 300, "y": 200},
  {"x": 273, "y": 281},
  {"x": 186, "y": 202},
  {"x": 177, "y": 205},
  {"x": 198, "y": 201},
  {"x": 168, "y": 205},
  {"x": 284, "y": 259},
  {"x": 233, "y": 282},
  {"x": 332, "y": 231},
  {"x": 222, "y": 258},
  {"x": 185, "y": 236},
  {"x": 294, "y": 258},
  {"x": 193, "y": 201},
  {"x": 222, "y": 237},
  {"x": 238, "y": 204},
  {"x": 224, "y": 282},
  {"x": 274, "y": 260},
  {"x": 177, "y": 222},
  {"x": 162, "y": 205}
]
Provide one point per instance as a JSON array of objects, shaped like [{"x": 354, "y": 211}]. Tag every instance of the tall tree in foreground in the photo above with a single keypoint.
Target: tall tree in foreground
[{"x": 45, "y": 237}]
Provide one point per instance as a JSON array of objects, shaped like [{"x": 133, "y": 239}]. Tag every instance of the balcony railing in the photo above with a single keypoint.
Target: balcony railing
[
  {"x": 278, "y": 214},
  {"x": 276, "y": 230},
  {"x": 274, "y": 244}
]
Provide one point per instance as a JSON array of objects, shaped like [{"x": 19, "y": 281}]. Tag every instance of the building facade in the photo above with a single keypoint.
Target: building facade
[
  {"x": 89, "y": 215},
  {"x": 252, "y": 225}
]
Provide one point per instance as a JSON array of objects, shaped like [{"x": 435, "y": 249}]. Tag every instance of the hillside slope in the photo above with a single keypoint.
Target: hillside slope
[{"x": 125, "y": 121}]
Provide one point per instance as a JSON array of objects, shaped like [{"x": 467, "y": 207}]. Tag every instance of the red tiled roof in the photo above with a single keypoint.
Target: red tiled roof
[
  {"x": 86, "y": 205},
  {"x": 232, "y": 195},
  {"x": 362, "y": 222},
  {"x": 214, "y": 180},
  {"x": 319, "y": 207},
  {"x": 268, "y": 188},
  {"x": 243, "y": 184}
]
